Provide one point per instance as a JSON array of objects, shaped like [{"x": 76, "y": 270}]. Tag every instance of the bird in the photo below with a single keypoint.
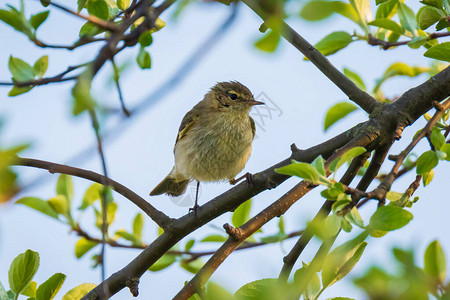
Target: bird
[{"x": 214, "y": 140}]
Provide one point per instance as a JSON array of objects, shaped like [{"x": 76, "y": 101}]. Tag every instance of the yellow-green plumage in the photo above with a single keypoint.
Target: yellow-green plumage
[{"x": 214, "y": 140}]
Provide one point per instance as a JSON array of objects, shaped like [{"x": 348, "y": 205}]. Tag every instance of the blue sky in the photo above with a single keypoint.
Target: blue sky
[{"x": 141, "y": 155}]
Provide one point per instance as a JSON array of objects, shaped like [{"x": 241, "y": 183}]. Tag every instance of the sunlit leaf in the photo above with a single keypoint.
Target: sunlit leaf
[{"x": 337, "y": 112}]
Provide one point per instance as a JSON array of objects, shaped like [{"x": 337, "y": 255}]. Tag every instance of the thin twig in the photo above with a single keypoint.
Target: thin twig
[
  {"x": 119, "y": 90},
  {"x": 157, "y": 216},
  {"x": 385, "y": 45}
]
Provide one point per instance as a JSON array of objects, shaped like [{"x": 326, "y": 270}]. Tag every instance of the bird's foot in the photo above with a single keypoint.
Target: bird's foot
[{"x": 248, "y": 176}]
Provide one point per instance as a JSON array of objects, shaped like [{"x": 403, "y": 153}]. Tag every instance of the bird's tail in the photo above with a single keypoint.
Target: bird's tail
[{"x": 170, "y": 186}]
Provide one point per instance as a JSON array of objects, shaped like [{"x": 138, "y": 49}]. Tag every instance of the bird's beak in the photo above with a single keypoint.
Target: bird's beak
[{"x": 254, "y": 102}]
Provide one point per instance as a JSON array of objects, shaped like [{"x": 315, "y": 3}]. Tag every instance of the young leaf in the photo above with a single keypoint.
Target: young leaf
[
  {"x": 341, "y": 260},
  {"x": 446, "y": 148},
  {"x": 214, "y": 238},
  {"x": 435, "y": 264},
  {"x": 428, "y": 15},
  {"x": 123, "y": 4},
  {"x": 29, "y": 291},
  {"x": 3, "y": 294},
  {"x": 22, "y": 270},
  {"x": 388, "y": 218},
  {"x": 437, "y": 138},
  {"x": 426, "y": 162},
  {"x": 49, "y": 289},
  {"x": 302, "y": 170},
  {"x": 192, "y": 266},
  {"x": 40, "y": 66},
  {"x": 264, "y": 289},
  {"x": 427, "y": 177},
  {"x": 39, "y": 205},
  {"x": 434, "y": 3},
  {"x": 83, "y": 246},
  {"x": 165, "y": 261},
  {"x": 189, "y": 244},
  {"x": 407, "y": 17},
  {"x": 347, "y": 156},
  {"x": 98, "y": 8},
  {"x": 20, "y": 70},
  {"x": 387, "y": 24},
  {"x": 64, "y": 186},
  {"x": 386, "y": 9},
  {"x": 37, "y": 19},
  {"x": 81, "y": 94},
  {"x": 138, "y": 225},
  {"x": 16, "y": 91},
  {"x": 143, "y": 59},
  {"x": 59, "y": 204},
  {"x": 242, "y": 213},
  {"x": 440, "y": 52},
  {"x": 337, "y": 112},
  {"x": 91, "y": 195},
  {"x": 334, "y": 42},
  {"x": 319, "y": 10},
  {"x": 269, "y": 42},
  {"x": 78, "y": 292},
  {"x": 319, "y": 164},
  {"x": 145, "y": 39},
  {"x": 355, "y": 78}
]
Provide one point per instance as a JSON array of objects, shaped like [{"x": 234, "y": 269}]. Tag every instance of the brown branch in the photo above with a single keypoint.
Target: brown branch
[
  {"x": 385, "y": 45},
  {"x": 159, "y": 217},
  {"x": 81, "y": 42},
  {"x": 238, "y": 235},
  {"x": 361, "y": 98}
]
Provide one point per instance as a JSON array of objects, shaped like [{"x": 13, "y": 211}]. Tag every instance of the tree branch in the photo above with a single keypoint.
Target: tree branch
[
  {"x": 373, "y": 41},
  {"x": 361, "y": 98},
  {"x": 159, "y": 217}
]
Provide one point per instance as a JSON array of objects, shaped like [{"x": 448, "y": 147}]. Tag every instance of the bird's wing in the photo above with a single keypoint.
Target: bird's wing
[
  {"x": 252, "y": 124},
  {"x": 186, "y": 124}
]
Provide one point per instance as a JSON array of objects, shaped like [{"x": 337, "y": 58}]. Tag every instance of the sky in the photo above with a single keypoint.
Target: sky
[{"x": 140, "y": 153}]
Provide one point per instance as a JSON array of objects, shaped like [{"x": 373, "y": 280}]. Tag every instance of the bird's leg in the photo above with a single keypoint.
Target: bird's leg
[
  {"x": 196, "y": 206},
  {"x": 248, "y": 176}
]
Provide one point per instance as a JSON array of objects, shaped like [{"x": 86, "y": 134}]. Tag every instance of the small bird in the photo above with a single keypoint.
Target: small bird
[{"x": 214, "y": 140}]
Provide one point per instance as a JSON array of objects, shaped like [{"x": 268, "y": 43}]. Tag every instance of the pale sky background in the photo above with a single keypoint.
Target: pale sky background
[{"x": 142, "y": 155}]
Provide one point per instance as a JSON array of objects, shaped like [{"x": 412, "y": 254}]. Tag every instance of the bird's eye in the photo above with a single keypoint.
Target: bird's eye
[{"x": 233, "y": 96}]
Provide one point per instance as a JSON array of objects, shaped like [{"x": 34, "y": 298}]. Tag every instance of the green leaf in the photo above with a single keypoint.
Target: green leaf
[
  {"x": 427, "y": 177},
  {"x": 386, "y": 9},
  {"x": 407, "y": 17},
  {"x": 81, "y": 4},
  {"x": 192, "y": 266},
  {"x": 22, "y": 270},
  {"x": 49, "y": 289},
  {"x": 3, "y": 294},
  {"x": 98, "y": 8},
  {"x": 138, "y": 225},
  {"x": 269, "y": 42},
  {"x": 313, "y": 286},
  {"x": 81, "y": 94},
  {"x": 242, "y": 213},
  {"x": 334, "y": 42},
  {"x": 337, "y": 112},
  {"x": 39, "y": 205},
  {"x": 59, "y": 204},
  {"x": 127, "y": 236},
  {"x": 30, "y": 290},
  {"x": 123, "y": 4},
  {"x": 437, "y": 138},
  {"x": 216, "y": 292},
  {"x": 341, "y": 260},
  {"x": 37, "y": 19},
  {"x": 417, "y": 41},
  {"x": 426, "y": 162},
  {"x": 442, "y": 24},
  {"x": 434, "y": 3},
  {"x": 40, "y": 66},
  {"x": 446, "y": 148},
  {"x": 354, "y": 217},
  {"x": 189, "y": 245},
  {"x": 355, "y": 78},
  {"x": 214, "y": 238},
  {"x": 387, "y": 24},
  {"x": 78, "y": 292},
  {"x": 319, "y": 164},
  {"x": 388, "y": 218},
  {"x": 428, "y": 15},
  {"x": 89, "y": 30},
  {"x": 165, "y": 261},
  {"x": 143, "y": 59},
  {"x": 91, "y": 195},
  {"x": 16, "y": 91},
  {"x": 440, "y": 52},
  {"x": 83, "y": 246},
  {"x": 20, "y": 70},
  {"x": 363, "y": 9},
  {"x": 264, "y": 289},
  {"x": 64, "y": 186},
  {"x": 146, "y": 39},
  {"x": 302, "y": 170},
  {"x": 333, "y": 191},
  {"x": 346, "y": 157},
  {"x": 15, "y": 20},
  {"x": 435, "y": 263},
  {"x": 319, "y": 10}
]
